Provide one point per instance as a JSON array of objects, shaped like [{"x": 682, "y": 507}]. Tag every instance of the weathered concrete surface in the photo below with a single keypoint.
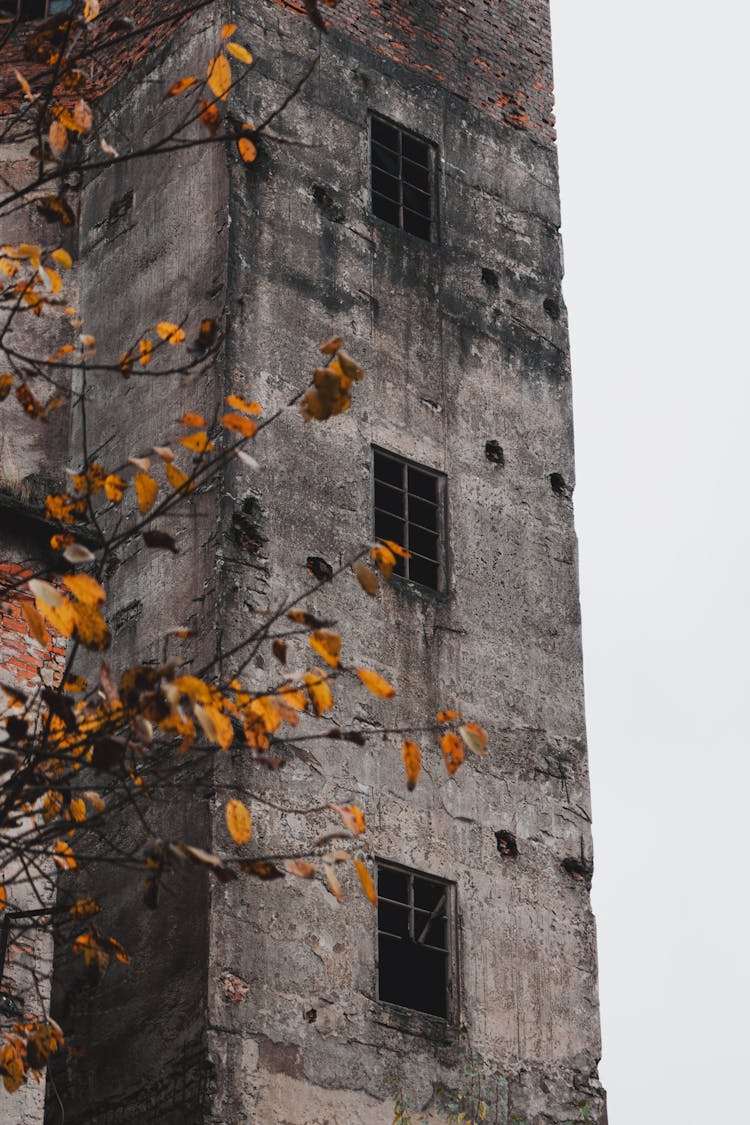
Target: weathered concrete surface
[
  {"x": 451, "y": 362},
  {"x": 464, "y": 341}
]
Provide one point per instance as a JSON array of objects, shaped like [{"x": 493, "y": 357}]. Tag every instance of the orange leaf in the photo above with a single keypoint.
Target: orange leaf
[
  {"x": 384, "y": 559},
  {"x": 85, "y": 588},
  {"x": 239, "y": 423},
  {"x": 412, "y": 762},
  {"x": 114, "y": 487},
  {"x": 375, "y": 683},
  {"x": 228, "y": 30},
  {"x": 352, "y": 816},
  {"x": 239, "y": 821},
  {"x": 475, "y": 738},
  {"x": 3, "y": 898},
  {"x": 180, "y": 86},
  {"x": 146, "y": 489},
  {"x": 318, "y": 691},
  {"x": 238, "y": 403},
  {"x": 146, "y": 349},
  {"x": 64, "y": 859},
  {"x": 330, "y": 347},
  {"x": 172, "y": 333},
  {"x": 209, "y": 116},
  {"x": 332, "y": 881},
  {"x": 192, "y": 419},
  {"x": 179, "y": 481},
  {"x": 327, "y": 644},
  {"x": 35, "y": 623},
  {"x": 58, "y": 138},
  {"x": 239, "y": 52},
  {"x": 367, "y": 578},
  {"x": 397, "y": 550},
  {"x": 447, "y": 716},
  {"x": 453, "y": 751},
  {"x": 198, "y": 443},
  {"x": 366, "y": 880},
  {"x": 6, "y": 382},
  {"x": 220, "y": 77},
  {"x": 78, "y": 809},
  {"x": 63, "y": 258},
  {"x": 247, "y": 150},
  {"x": 89, "y": 626}
]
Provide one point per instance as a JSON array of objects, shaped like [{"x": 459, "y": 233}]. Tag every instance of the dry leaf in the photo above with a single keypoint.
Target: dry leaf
[
  {"x": 475, "y": 738},
  {"x": 366, "y": 880},
  {"x": 239, "y": 52},
  {"x": 146, "y": 489},
  {"x": 453, "y": 751},
  {"x": 239, "y": 821},
  {"x": 412, "y": 762},
  {"x": 220, "y": 77},
  {"x": 327, "y": 644},
  {"x": 180, "y": 86},
  {"x": 375, "y": 683},
  {"x": 367, "y": 578},
  {"x": 172, "y": 333}
]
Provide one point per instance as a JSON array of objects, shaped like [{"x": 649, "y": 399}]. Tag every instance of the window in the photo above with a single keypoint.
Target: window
[
  {"x": 402, "y": 175},
  {"x": 415, "y": 941},
  {"x": 26, "y": 11},
  {"x": 408, "y": 503}
]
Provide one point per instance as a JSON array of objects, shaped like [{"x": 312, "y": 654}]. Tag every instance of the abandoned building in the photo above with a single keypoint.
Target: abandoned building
[{"x": 408, "y": 202}]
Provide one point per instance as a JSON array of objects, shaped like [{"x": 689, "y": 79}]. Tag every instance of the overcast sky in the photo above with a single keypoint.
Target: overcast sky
[{"x": 653, "y": 115}]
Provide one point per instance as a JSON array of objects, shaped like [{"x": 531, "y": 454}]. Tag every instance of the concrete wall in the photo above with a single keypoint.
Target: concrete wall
[{"x": 452, "y": 361}]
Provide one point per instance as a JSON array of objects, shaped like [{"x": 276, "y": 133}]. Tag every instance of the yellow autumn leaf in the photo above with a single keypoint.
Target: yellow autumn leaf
[
  {"x": 146, "y": 349},
  {"x": 78, "y": 809},
  {"x": 220, "y": 77},
  {"x": 180, "y": 86},
  {"x": 352, "y": 816},
  {"x": 228, "y": 30},
  {"x": 62, "y": 257},
  {"x": 318, "y": 691},
  {"x": 247, "y": 149},
  {"x": 172, "y": 333},
  {"x": 3, "y": 898},
  {"x": 367, "y": 578},
  {"x": 447, "y": 716},
  {"x": 366, "y": 880},
  {"x": 85, "y": 588},
  {"x": 412, "y": 762},
  {"x": 179, "y": 481},
  {"x": 61, "y": 617},
  {"x": 375, "y": 683},
  {"x": 327, "y": 644},
  {"x": 89, "y": 627},
  {"x": 197, "y": 443},
  {"x": 114, "y": 487},
  {"x": 64, "y": 857},
  {"x": 239, "y": 821},
  {"x": 216, "y": 726},
  {"x": 384, "y": 559},
  {"x": 146, "y": 490},
  {"x": 238, "y": 403},
  {"x": 239, "y": 52},
  {"x": 239, "y": 423}
]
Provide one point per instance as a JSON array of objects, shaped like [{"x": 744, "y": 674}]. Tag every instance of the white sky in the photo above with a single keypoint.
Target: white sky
[{"x": 653, "y": 111}]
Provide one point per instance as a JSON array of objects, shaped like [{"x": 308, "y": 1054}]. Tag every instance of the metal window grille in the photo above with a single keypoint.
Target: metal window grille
[
  {"x": 401, "y": 168},
  {"x": 28, "y": 11},
  {"x": 408, "y": 505},
  {"x": 415, "y": 941}
]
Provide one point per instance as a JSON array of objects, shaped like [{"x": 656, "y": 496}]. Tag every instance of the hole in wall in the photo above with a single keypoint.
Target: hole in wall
[
  {"x": 332, "y": 210},
  {"x": 506, "y": 844},
  {"x": 490, "y": 279},
  {"x": 319, "y": 568},
  {"x": 246, "y": 526},
  {"x": 493, "y": 451},
  {"x": 559, "y": 485},
  {"x": 311, "y": 1015},
  {"x": 578, "y": 869},
  {"x": 551, "y": 307}
]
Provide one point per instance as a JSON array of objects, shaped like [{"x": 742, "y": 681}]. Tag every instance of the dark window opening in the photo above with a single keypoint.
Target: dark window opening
[
  {"x": 28, "y": 11},
  {"x": 414, "y": 952},
  {"x": 401, "y": 179},
  {"x": 408, "y": 502}
]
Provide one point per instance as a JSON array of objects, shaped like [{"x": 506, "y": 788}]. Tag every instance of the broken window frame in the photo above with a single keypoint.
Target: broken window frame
[
  {"x": 413, "y": 527},
  {"x": 412, "y": 203},
  {"x": 11, "y": 12},
  {"x": 418, "y": 919}
]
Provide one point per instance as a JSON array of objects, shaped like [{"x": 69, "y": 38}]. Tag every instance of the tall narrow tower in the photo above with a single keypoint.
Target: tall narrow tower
[{"x": 411, "y": 206}]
